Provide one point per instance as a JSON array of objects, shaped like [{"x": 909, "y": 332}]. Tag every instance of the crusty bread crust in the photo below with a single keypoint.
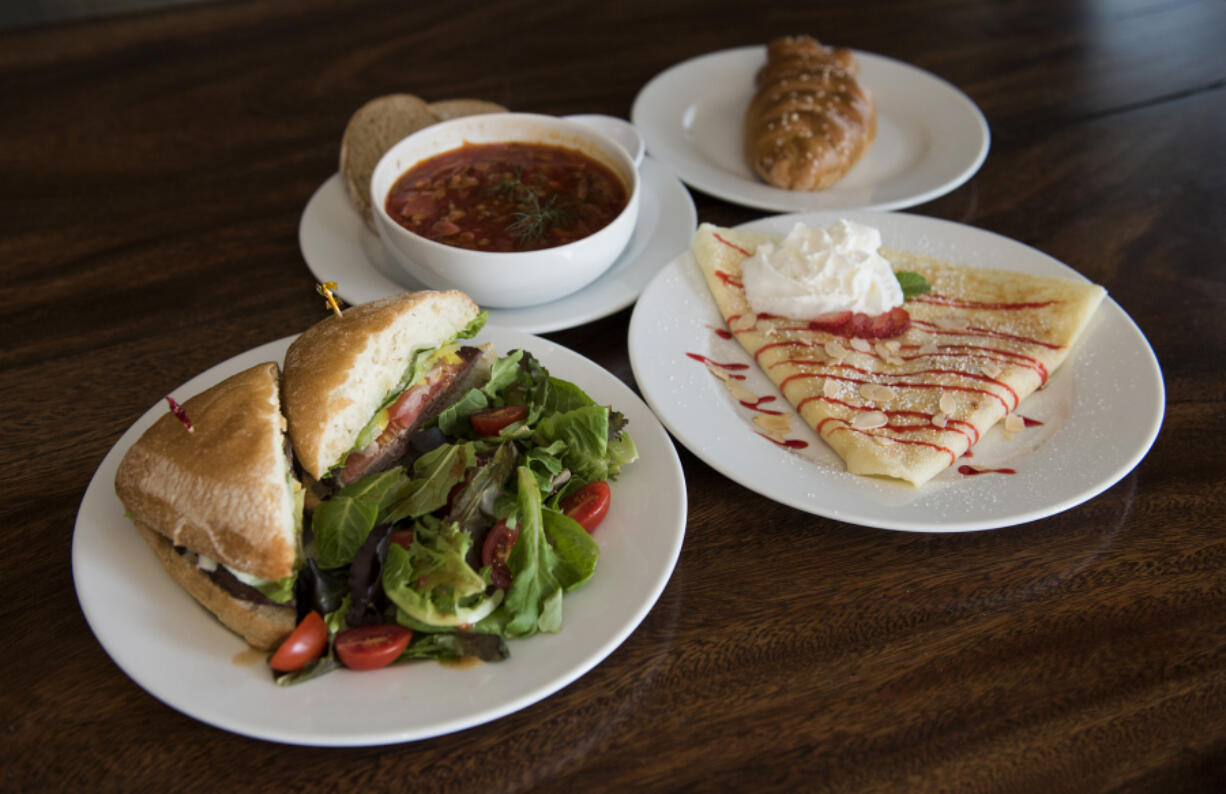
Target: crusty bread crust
[
  {"x": 371, "y": 131},
  {"x": 340, "y": 370},
  {"x": 221, "y": 490},
  {"x": 263, "y": 626}
]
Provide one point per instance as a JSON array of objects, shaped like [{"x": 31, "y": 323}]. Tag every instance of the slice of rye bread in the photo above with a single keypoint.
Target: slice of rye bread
[
  {"x": 380, "y": 124},
  {"x": 447, "y": 109},
  {"x": 371, "y": 131}
]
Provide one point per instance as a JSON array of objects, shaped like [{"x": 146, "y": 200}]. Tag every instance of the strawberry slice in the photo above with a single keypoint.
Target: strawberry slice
[
  {"x": 865, "y": 326},
  {"x": 830, "y": 322}
]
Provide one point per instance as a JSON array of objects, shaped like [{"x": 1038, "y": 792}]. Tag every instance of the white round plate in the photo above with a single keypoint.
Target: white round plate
[
  {"x": 338, "y": 246},
  {"x": 169, "y": 645},
  {"x": 1101, "y": 409},
  {"x": 930, "y": 136}
]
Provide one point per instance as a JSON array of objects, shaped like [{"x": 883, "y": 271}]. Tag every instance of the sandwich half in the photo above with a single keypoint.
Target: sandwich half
[
  {"x": 220, "y": 505},
  {"x": 359, "y": 385}
]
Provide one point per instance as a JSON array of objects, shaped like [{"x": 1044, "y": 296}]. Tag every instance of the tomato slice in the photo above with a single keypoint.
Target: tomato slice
[
  {"x": 588, "y": 505},
  {"x": 491, "y": 421},
  {"x": 494, "y": 552},
  {"x": 303, "y": 645},
  {"x": 372, "y": 647},
  {"x": 402, "y": 538}
]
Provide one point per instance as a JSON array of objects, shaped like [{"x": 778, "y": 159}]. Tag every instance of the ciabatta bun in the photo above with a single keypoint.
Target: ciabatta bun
[
  {"x": 339, "y": 371},
  {"x": 263, "y": 626},
  {"x": 225, "y": 490}
]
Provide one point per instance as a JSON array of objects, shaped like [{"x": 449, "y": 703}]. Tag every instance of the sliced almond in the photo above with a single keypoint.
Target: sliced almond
[
  {"x": 861, "y": 345},
  {"x": 948, "y": 403},
  {"x": 740, "y": 393},
  {"x": 875, "y": 392},
  {"x": 830, "y": 388},
  {"x": 951, "y": 323},
  {"x": 893, "y": 345},
  {"x": 940, "y": 420},
  {"x": 835, "y": 350},
  {"x": 719, "y": 372},
  {"x": 776, "y": 425},
  {"x": 870, "y": 420},
  {"x": 928, "y": 346},
  {"x": 991, "y": 368},
  {"x": 1014, "y": 424}
]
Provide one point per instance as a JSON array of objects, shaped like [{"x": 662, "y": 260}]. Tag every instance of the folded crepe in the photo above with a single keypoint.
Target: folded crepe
[{"x": 908, "y": 406}]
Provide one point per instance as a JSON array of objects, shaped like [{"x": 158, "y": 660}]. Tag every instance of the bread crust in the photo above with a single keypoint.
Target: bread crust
[
  {"x": 222, "y": 489},
  {"x": 339, "y": 371},
  {"x": 371, "y": 131},
  {"x": 263, "y": 626}
]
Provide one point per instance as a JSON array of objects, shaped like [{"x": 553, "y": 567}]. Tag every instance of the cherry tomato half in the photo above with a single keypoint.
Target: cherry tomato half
[
  {"x": 303, "y": 645},
  {"x": 491, "y": 421},
  {"x": 494, "y": 552},
  {"x": 402, "y": 538},
  {"x": 588, "y": 505},
  {"x": 371, "y": 647}
]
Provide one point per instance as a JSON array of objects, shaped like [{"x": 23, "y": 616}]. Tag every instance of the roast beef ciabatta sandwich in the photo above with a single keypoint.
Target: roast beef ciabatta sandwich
[
  {"x": 220, "y": 505},
  {"x": 359, "y": 385}
]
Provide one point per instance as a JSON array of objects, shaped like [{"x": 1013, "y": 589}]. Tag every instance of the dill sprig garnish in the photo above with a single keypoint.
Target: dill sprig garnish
[{"x": 534, "y": 216}]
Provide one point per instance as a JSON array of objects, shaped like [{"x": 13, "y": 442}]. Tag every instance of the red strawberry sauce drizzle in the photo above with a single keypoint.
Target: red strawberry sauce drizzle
[
  {"x": 959, "y": 303},
  {"x": 907, "y": 384},
  {"x": 732, "y": 245}
]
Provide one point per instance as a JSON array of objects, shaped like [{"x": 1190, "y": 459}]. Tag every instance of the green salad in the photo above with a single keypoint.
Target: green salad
[{"x": 473, "y": 540}]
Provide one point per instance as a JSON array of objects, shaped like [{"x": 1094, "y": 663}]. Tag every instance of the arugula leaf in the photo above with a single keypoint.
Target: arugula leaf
[
  {"x": 486, "y": 647},
  {"x": 534, "y": 601},
  {"x": 477, "y": 497},
  {"x": 434, "y": 474},
  {"x": 454, "y": 419},
  {"x": 341, "y": 525},
  {"x": 912, "y": 283}
]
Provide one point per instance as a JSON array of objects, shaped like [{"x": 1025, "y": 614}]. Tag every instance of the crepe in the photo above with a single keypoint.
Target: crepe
[{"x": 910, "y": 405}]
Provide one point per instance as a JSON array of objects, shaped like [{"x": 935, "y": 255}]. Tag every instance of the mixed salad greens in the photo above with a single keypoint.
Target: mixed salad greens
[{"x": 471, "y": 541}]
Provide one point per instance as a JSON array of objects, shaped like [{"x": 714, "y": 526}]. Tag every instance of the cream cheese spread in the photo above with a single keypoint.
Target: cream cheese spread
[{"x": 818, "y": 270}]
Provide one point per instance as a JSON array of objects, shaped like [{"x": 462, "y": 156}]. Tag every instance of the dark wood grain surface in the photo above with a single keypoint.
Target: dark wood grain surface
[{"x": 154, "y": 168}]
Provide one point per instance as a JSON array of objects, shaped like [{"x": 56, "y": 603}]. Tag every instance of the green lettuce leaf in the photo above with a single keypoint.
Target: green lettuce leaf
[
  {"x": 575, "y": 549},
  {"x": 434, "y": 475},
  {"x": 341, "y": 525},
  {"x": 585, "y": 432},
  {"x": 432, "y": 583}
]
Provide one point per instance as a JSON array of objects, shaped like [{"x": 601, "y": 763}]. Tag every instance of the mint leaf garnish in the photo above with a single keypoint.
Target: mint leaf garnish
[{"x": 912, "y": 283}]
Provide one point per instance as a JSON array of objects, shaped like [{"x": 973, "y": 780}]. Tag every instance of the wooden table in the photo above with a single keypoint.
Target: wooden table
[{"x": 154, "y": 170}]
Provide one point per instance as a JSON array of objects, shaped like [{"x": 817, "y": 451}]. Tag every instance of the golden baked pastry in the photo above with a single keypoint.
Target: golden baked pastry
[
  {"x": 909, "y": 405},
  {"x": 810, "y": 119}
]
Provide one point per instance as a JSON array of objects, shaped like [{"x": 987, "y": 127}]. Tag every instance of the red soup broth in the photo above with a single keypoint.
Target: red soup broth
[{"x": 506, "y": 197}]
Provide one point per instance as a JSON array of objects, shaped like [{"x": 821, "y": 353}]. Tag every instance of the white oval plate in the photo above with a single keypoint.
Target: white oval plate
[
  {"x": 930, "y": 136},
  {"x": 338, "y": 246},
  {"x": 174, "y": 649},
  {"x": 1101, "y": 409}
]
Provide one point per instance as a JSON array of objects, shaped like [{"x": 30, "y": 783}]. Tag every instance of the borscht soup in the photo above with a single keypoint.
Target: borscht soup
[{"x": 506, "y": 196}]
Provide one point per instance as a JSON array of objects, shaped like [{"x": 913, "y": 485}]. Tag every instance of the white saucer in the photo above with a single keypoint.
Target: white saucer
[
  {"x": 930, "y": 136},
  {"x": 338, "y": 246}
]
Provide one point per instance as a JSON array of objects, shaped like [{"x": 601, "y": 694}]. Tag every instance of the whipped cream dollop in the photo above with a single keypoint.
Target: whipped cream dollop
[{"x": 817, "y": 270}]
